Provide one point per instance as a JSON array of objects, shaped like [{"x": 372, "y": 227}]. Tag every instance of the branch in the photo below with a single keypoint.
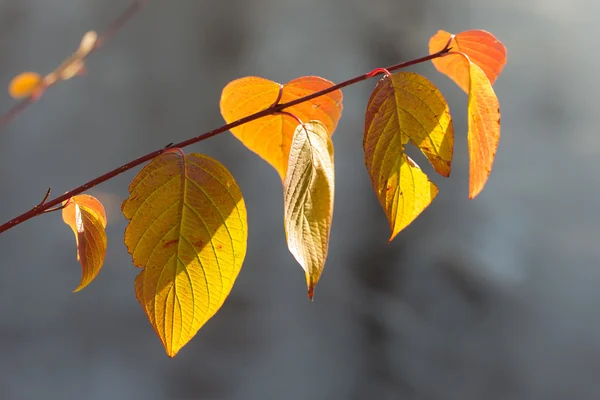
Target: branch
[
  {"x": 108, "y": 34},
  {"x": 274, "y": 109}
]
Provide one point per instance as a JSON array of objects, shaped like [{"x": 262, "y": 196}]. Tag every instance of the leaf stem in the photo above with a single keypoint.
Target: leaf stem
[
  {"x": 289, "y": 114},
  {"x": 380, "y": 70},
  {"x": 274, "y": 109}
]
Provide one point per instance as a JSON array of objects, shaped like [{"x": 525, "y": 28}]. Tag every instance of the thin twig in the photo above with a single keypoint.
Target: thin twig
[
  {"x": 41, "y": 203},
  {"x": 108, "y": 34},
  {"x": 268, "y": 111}
]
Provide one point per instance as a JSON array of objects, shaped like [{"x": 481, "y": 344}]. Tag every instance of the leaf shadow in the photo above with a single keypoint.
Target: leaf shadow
[{"x": 424, "y": 144}]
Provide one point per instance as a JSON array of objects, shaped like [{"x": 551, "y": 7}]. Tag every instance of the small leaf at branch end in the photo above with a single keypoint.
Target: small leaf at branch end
[
  {"x": 270, "y": 137},
  {"x": 188, "y": 231},
  {"x": 308, "y": 196},
  {"x": 407, "y": 108},
  {"x": 481, "y": 47},
  {"x": 86, "y": 217},
  {"x": 24, "y": 84},
  {"x": 88, "y": 41},
  {"x": 484, "y": 129}
]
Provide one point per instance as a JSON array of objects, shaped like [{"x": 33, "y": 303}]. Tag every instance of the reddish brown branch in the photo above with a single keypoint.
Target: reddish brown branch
[
  {"x": 268, "y": 111},
  {"x": 108, "y": 34}
]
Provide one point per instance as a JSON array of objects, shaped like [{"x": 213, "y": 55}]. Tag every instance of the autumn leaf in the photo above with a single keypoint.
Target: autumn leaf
[
  {"x": 481, "y": 47},
  {"x": 24, "y": 84},
  {"x": 406, "y": 108},
  {"x": 476, "y": 60},
  {"x": 308, "y": 194},
  {"x": 188, "y": 231},
  {"x": 484, "y": 128},
  {"x": 86, "y": 217},
  {"x": 270, "y": 137}
]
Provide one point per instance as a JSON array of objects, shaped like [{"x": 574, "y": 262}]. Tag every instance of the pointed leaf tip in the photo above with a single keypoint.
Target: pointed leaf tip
[
  {"x": 188, "y": 231},
  {"x": 311, "y": 291},
  {"x": 86, "y": 217},
  {"x": 271, "y": 137},
  {"x": 407, "y": 108},
  {"x": 308, "y": 197}
]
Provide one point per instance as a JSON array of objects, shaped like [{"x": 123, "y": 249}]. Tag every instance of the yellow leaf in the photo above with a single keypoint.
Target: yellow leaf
[
  {"x": 406, "y": 108},
  {"x": 188, "y": 230},
  {"x": 308, "y": 192},
  {"x": 86, "y": 217},
  {"x": 24, "y": 84},
  {"x": 270, "y": 137},
  {"x": 418, "y": 112}
]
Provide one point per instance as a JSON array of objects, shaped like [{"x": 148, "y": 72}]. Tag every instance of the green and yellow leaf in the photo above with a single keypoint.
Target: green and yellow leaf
[
  {"x": 308, "y": 196},
  {"x": 406, "y": 108},
  {"x": 86, "y": 217},
  {"x": 188, "y": 231},
  {"x": 271, "y": 136}
]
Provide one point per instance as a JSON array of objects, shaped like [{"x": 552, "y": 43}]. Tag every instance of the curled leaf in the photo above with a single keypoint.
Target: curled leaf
[
  {"x": 270, "y": 137},
  {"x": 188, "y": 232},
  {"x": 406, "y": 108},
  {"x": 86, "y": 217},
  {"x": 24, "y": 84},
  {"x": 308, "y": 196},
  {"x": 482, "y": 48}
]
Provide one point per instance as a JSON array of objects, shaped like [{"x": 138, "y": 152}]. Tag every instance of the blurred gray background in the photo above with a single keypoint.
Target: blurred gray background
[{"x": 494, "y": 298}]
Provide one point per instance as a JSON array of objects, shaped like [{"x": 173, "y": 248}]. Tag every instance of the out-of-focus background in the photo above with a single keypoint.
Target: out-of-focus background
[{"x": 494, "y": 299}]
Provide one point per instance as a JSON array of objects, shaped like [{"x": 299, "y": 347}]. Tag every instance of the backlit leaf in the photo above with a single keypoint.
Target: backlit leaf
[
  {"x": 480, "y": 46},
  {"x": 308, "y": 194},
  {"x": 86, "y": 217},
  {"x": 270, "y": 137},
  {"x": 24, "y": 84},
  {"x": 484, "y": 129},
  {"x": 406, "y": 108},
  {"x": 474, "y": 63},
  {"x": 188, "y": 232}
]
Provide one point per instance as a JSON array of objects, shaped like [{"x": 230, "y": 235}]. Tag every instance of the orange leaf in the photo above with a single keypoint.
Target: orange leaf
[
  {"x": 407, "y": 108},
  {"x": 85, "y": 215},
  {"x": 270, "y": 137},
  {"x": 480, "y": 46},
  {"x": 188, "y": 231},
  {"x": 484, "y": 128},
  {"x": 24, "y": 84}
]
